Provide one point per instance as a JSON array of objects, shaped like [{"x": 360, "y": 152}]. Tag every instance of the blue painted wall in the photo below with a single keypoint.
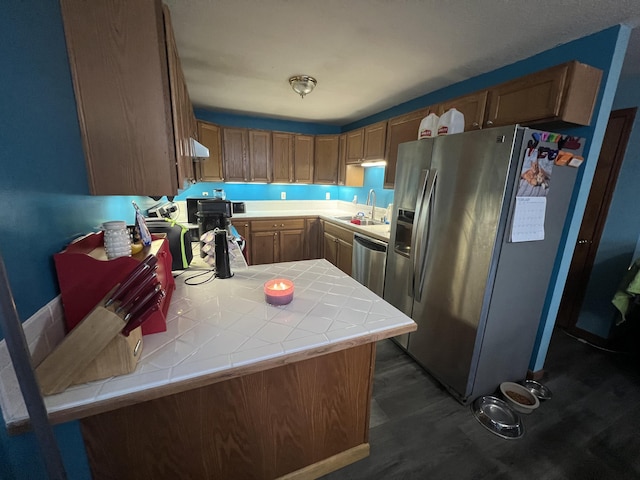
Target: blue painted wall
[
  {"x": 622, "y": 230},
  {"x": 43, "y": 187}
]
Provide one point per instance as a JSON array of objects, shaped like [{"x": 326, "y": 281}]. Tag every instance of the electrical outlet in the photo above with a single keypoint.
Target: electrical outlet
[
  {"x": 205, "y": 194},
  {"x": 283, "y": 195},
  {"x": 328, "y": 196}
]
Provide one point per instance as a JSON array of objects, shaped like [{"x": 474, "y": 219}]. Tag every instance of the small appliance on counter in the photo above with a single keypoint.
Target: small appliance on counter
[{"x": 213, "y": 216}]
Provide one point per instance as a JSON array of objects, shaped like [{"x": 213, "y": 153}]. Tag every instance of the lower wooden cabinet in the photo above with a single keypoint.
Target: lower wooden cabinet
[
  {"x": 244, "y": 230},
  {"x": 338, "y": 246},
  {"x": 313, "y": 238},
  {"x": 277, "y": 240}
]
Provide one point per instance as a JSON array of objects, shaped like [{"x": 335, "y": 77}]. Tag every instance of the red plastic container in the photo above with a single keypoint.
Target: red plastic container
[{"x": 85, "y": 276}]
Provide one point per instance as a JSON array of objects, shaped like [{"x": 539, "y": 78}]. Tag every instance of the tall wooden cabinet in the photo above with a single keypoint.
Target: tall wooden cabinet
[
  {"x": 124, "y": 96},
  {"x": 260, "y": 169},
  {"x": 327, "y": 149},
  {"x": 282, "y": 157},
  {"x": 235, "y": 146},
  {"x": 303, "y": 156},
  {"x": 210, "y": 169}
]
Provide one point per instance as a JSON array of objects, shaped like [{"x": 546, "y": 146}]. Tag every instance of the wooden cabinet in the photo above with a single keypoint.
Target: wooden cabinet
[
  {"x": 235, "y": 145},
  {"x": 399, "y": 130},
  {"x": 355, "y": 146},
  {"x": 375, "y": 137},
  {"x": 244, "y": 230},
  {"x": 181, "y": 109},
  {"x": 564, "y": 93},
  {"x": 247, "y": 155},
  {"x": 277, "y": 240},
  {"x": 282, "y": 157},
  {"x": 471, "y": 106},
  {"x": 313, "y": 238},
  {"x": 303, "y": 158},
  {"x": 260, "y": 169},
  {"x": 210, "y": 169},
  {"x": 338, "y": 246},
  {"x": 325, "y": 170},
  {"x": 124, "y": 96}
]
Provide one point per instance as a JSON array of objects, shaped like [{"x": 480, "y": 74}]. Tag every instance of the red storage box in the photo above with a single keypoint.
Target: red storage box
[{"x": 85, "y": 276}]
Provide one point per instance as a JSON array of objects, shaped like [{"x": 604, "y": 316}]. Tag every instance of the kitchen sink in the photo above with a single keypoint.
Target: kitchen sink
[{"x": 363, "y": 222}]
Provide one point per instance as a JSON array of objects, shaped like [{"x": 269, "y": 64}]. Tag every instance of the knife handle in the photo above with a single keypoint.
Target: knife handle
[
  {"x": 149, "y": 262},
  {"x": 143, "y": 301},
  {"x": 144, "y": 312},
  {"x": 135, "y": 292}
]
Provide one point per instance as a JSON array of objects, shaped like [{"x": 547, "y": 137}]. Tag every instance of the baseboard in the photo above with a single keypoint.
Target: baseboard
[{"x": 330, "y": 464}]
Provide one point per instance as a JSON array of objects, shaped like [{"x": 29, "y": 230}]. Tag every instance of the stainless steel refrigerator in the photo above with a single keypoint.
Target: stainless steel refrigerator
[{"x": 476, "y": 226}]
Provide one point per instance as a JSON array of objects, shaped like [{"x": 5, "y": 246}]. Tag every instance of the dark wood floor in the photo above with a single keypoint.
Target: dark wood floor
[{"x": 590, "y": 429}]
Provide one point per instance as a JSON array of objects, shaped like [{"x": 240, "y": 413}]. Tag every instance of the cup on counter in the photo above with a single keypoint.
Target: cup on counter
[{"x": 117, "y": 240}]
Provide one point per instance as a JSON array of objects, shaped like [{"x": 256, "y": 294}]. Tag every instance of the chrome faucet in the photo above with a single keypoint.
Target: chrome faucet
[{"x": 371, "y": 197}]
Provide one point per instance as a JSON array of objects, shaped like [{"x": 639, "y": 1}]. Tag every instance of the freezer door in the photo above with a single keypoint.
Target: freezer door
[
  {"x": 411, "y": 172},
  {"x": 461, "y": 223}
]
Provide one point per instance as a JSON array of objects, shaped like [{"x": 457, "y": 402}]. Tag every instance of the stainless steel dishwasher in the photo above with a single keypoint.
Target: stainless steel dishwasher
[{"x": 368, "y": 262}]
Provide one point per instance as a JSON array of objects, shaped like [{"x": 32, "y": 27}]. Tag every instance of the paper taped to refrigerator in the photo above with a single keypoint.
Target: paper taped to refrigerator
[{"x": 528, "y": 219}]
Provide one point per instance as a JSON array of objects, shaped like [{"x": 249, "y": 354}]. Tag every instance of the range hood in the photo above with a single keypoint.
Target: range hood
[{"x": 200, "y": 152}]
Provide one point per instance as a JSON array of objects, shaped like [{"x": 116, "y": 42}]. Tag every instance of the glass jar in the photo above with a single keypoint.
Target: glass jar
[
  {"x": 218, "y": 194},
  {"x": 117, "y": 240}
]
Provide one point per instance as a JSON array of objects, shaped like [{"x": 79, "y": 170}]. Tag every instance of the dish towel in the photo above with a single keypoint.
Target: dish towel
[{"x": 628, "y": 291}]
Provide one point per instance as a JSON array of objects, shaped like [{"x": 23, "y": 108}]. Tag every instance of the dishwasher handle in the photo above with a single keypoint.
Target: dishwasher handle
[{"x": 370, "y": 243}]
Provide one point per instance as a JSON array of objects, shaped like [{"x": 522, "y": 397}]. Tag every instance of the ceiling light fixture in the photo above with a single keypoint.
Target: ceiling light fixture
[{"x": 302, "y": 84}]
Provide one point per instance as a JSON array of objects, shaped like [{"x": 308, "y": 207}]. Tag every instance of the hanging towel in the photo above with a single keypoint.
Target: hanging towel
[{"x": 628, "y": 291}]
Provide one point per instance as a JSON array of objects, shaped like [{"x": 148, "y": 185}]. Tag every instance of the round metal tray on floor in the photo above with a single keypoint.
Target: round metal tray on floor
[
  {"x": 538, "y": 389},
  {"x": 498, "y": 417}
]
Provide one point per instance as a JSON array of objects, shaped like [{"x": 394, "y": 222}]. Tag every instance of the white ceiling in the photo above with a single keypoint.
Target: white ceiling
[{"x": 367, "y": 55}]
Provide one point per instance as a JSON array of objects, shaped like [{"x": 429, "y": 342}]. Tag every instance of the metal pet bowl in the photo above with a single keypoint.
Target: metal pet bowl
[
  {"x": 497, "y": 417},
  {"x": 538, "y": 389}
]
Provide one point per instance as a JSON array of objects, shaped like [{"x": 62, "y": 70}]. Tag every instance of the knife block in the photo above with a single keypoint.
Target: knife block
[
  {"x": 85, "y": 275},
  {"x": 93, "y": 350}
]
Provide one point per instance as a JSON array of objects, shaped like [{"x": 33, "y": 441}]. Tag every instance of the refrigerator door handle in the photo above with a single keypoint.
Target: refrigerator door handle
[
  {"x": 424, "y": 177},
  {"x": 424, "y": 225}
]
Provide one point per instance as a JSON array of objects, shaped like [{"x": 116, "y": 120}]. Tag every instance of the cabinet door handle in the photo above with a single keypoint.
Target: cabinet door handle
[
  {"x": 475, "y": 125},
  {"x": 489, "y": 122},
  {"x": 275, "y": 225},
  {"x": 282, "y": 224},
  {"x": 275, "y": 234}
]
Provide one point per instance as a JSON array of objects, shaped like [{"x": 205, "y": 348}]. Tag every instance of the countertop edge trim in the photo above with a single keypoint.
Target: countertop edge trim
[{"x": 82, "y": 411}]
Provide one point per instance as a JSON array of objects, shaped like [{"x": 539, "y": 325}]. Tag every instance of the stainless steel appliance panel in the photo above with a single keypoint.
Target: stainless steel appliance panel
[
  {"x": 368, "y": 264},
  {"x": 411, "y": 171},
  {"x": 460, "y": 217}
]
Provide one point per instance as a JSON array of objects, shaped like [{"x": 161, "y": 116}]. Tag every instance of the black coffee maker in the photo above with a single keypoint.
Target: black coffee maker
[{"x": 214, "y": 214}]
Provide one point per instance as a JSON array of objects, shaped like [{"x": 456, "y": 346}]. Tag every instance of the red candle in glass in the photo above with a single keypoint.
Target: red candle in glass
[{"x": 278, "y": 291}]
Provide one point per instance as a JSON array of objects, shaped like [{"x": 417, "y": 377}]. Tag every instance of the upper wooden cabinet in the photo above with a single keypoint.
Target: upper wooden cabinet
[
  {"x": 234, "y": 148},
  {"x": 124, "y": 96},
  {"x": 327, "y": 149},
  {"x": 375, "y": 137},
  {"x": 303, "y": 158},
  {"x": 210, "y": 169},
  {"x": 246, "y": 155},
  {"x": 399, "y": 130},
  {"x": 282, "y": 157},
  {"x": 183, "y": 118},
  {"x": 472, "y": 106},
  {"x": 260, "y": 169},
  {"x": 355, "y": 146},
  {"x": 342, "y": 159},
  {"x": 564, "y": 93}
]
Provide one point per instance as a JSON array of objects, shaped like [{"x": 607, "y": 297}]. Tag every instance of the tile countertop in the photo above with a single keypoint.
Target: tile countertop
[
  {"x": 325, "y": 209},
  {"x": 224, "y": 328}
]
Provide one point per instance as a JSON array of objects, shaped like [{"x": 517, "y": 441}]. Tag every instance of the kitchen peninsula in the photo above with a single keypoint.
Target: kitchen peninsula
[{"x": 238, "y": 388}]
